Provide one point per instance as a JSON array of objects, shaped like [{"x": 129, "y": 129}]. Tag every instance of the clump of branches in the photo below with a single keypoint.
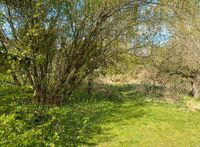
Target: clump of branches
[{"x": 54, "y": 45}]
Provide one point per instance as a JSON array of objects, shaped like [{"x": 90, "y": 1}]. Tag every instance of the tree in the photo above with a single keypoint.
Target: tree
[
  {"x": 57, "y": 44},
  {"x": 181, "y": 55}
]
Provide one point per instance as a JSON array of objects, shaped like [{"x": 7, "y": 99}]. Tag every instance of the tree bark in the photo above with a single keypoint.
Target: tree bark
[
  {"x": 40, "y": 95},
  {"x": 15, "y": 79},
  {"x": 195, "y": 88},
  {"x": 90, "y": 85}
]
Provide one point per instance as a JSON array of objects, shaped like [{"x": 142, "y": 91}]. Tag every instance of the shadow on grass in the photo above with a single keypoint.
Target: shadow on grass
[
  {"x": 74, "y": 123},
  {"x": 122, "y": 111},
  {"x": 119, "y": 93},
  {"x": 111, "y": 101}
]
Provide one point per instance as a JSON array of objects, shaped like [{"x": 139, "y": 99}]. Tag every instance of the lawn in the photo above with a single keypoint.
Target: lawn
[{"x": 97, "y": 120}]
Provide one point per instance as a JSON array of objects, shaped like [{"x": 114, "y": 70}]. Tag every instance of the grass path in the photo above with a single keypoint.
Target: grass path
[
  {"x": 150, "y": 124},
  {"x": 132, "y": 120}
]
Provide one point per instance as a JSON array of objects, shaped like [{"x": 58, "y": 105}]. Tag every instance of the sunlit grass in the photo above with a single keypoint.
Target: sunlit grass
[
  {"x": 150, "y": 125},
  {"x": 131, "y": 120}
]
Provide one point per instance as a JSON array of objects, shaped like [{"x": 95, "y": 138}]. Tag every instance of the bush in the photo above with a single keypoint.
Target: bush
[{"x": 25, "y": 124}]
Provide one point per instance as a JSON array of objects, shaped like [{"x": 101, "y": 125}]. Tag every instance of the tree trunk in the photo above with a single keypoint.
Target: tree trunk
[
  {"x": 40, "y": 95},
  {"x": 195, "y": 88},
  {"x": 15, "y": 79},
  {"x": 90, "y": 85}
]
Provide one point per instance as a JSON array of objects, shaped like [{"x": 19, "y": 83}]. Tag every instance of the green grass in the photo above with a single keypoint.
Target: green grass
[
  {"x": 23, "y": 123},
  {"x": 131, "y": 120},
  {"x": 139, "y": 122},
  {"x": 151, "y": 124}
]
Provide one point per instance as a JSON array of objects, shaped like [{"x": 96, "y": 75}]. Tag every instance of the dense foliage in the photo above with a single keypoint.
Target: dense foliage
[
  {"x": 96, "y": 72},
  {"x": 25, "y": 124},
  {"x": 54, "y": 45}
]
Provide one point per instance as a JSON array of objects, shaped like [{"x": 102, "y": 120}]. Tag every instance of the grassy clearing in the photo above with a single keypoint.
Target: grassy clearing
[
  {"x": 140, "y": 121},
  {"x": 133, "y": 119},
  {"x": 151, "y": 124}
]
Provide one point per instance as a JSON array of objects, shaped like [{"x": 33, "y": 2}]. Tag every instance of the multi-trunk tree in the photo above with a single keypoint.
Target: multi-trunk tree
[{"x": 54, "y": 45}]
